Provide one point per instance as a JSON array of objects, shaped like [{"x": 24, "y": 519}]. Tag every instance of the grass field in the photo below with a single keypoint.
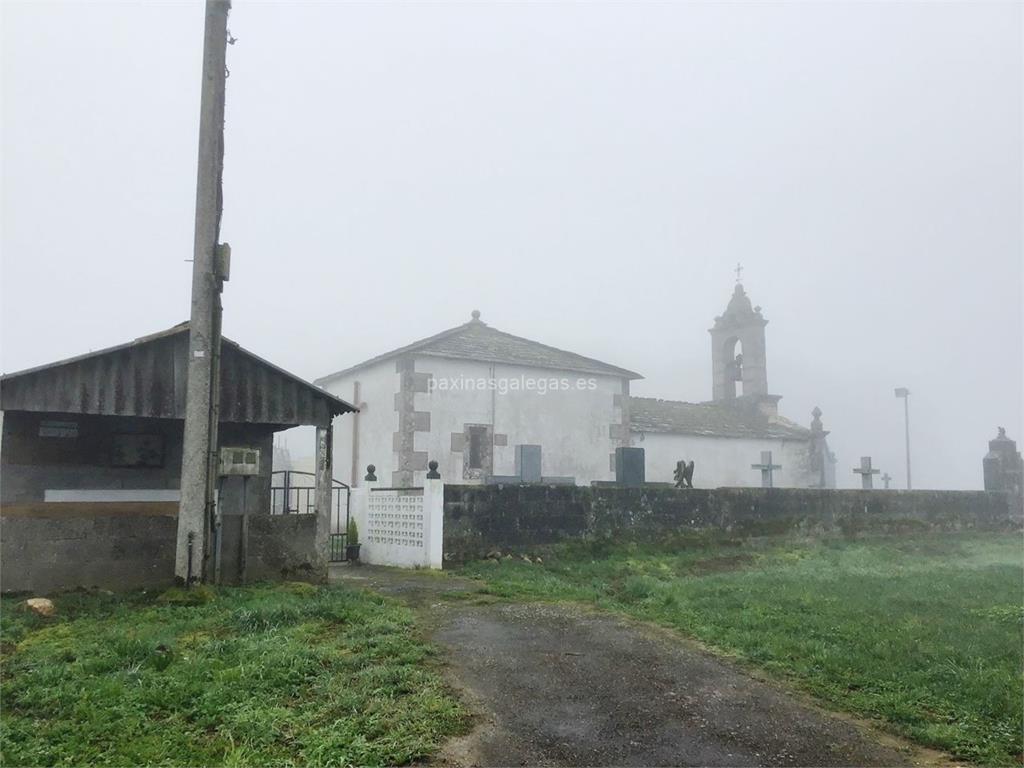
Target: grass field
[
  {"x": 258, "y": 676},
  {"x": 923, "y": 634}
]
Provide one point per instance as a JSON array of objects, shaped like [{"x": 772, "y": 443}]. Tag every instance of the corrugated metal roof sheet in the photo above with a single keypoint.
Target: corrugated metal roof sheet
[{"x": 146, "y": 377}]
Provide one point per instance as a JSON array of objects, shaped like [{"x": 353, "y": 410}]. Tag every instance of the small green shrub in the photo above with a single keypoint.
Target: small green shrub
[
  {"x": 353, "y": 533},
  {"x": 300, "y": 588},
  {"x": 197, "y": 595}
]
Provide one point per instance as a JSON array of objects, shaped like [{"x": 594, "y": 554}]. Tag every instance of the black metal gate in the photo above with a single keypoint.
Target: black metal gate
[{"x": 294, "y": 493}]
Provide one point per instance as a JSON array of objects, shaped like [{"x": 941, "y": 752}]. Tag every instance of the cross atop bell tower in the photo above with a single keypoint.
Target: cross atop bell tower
[{"x": 738, "y": 364}]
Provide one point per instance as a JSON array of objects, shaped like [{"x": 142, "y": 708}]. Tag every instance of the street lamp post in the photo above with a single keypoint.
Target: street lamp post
[{"x": 905, "y": 394}]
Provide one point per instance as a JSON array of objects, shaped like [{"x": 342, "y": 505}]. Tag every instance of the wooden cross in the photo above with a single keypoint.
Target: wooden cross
[
  {"x": 887, "y": 478},
  {"x": 865, "y": 471},
  {"x": 767, "y": 469},
  {"x": 739, "y": 272}
]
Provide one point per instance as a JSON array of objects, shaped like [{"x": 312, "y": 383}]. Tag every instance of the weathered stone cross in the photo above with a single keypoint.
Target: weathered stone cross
[
  {"x": 767, "y": 469},
  {"x": 887, "y": 478},
  {"x": 865, "y": 471}
]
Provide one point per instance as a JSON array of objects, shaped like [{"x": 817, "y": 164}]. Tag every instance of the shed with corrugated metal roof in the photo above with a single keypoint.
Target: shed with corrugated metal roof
[{"x": 95, "y": 441}]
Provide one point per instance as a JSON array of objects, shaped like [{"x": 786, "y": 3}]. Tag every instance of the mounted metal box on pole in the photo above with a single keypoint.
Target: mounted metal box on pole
[{"x": 202, "y": 400}]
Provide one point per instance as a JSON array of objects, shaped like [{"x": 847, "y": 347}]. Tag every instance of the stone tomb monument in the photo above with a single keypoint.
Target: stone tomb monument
[
  {"x": 629, "y": 466},
  {"x": 528, "y": 470},
  {"x": 767, "y": 468},
  {"x": 1002, "y": 466},
  {"x": 528, "y": 463},
  {"x": 867, "y": 473}
]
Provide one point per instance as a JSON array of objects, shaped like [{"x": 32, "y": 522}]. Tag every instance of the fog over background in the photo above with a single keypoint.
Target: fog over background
[{"x": 585, "y": 175}]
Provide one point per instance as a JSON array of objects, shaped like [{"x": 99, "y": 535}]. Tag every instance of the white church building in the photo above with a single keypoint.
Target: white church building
[
  {"x": 492, "y": 407},
  {"x": 729, "y": 434}
]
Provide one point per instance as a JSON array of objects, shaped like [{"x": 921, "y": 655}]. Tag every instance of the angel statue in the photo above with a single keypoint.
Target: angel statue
[{"x": 684, "y": 474}]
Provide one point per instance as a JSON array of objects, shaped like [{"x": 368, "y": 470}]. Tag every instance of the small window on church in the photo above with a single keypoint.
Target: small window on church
[{"x": 477, "y": 436}]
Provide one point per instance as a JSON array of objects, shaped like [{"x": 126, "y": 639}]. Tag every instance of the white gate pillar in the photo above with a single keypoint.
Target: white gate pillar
[
  {"x": 359, "y": 511},
  {"x": 433, "y": 518},
  {"x": 401, "y": 527}
]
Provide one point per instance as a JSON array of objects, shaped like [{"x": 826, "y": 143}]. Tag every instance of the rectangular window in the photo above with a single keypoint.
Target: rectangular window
[{"x": 477, "y": 436}]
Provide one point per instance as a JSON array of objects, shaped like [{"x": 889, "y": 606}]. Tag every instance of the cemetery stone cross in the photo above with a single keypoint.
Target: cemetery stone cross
[
  {"x": 865, "y": 471},
  {"x": 766, "y": 467},
  {"x": 887, "y": 478}
]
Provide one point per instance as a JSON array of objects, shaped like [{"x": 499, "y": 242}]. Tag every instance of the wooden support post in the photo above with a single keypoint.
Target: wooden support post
[
  {"x": 354, "y": 481},
  {"x": 243, "y": 549}
]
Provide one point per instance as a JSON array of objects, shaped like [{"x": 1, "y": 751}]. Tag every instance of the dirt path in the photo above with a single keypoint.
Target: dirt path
[{"x": 558, "y": 685}]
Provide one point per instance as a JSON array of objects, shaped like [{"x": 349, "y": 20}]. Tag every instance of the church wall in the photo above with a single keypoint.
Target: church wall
[
  {"x": 723, "y": 461},
  {"x": 573, "y": 426},
  {"x": 376, "y": 422}
]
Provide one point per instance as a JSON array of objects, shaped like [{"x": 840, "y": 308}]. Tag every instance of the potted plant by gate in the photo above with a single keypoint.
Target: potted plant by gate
[{"x": 352, "y": 542}]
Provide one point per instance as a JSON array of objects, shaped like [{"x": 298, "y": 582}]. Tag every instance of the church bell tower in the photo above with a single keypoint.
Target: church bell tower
[{"x": 738, "y": 364}]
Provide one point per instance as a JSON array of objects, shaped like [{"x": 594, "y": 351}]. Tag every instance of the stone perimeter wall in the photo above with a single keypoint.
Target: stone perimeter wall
[
  {"x": 46, "y": 548},
  {"x": 478, "y": 519}
]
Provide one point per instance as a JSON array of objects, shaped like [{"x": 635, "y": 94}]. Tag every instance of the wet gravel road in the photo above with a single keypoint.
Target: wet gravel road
[{"x": 560, "y": 685}]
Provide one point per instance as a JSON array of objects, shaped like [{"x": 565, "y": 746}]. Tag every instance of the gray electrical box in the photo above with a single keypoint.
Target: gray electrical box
[
  {"x": 239, "y": 462},
  {"x": 222, "y": 261}
]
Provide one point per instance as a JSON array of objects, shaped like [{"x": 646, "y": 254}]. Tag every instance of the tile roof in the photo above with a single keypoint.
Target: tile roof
[
  {"x": 735, "y": 418},
  {"x": 476, "y": 340}
]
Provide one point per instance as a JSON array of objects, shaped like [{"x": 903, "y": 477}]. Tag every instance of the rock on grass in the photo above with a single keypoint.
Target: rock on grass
[{"x": 40, "y": 606}]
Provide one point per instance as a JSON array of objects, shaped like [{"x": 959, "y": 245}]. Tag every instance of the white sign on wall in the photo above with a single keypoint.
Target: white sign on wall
[{"x": 58, "y": 428}]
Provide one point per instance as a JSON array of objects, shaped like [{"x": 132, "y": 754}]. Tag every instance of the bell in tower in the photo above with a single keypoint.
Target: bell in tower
[{"x": 738, "y": 362}]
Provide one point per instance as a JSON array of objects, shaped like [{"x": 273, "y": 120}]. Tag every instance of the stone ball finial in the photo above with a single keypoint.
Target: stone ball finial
[
  {"x": 371, "y": 473},
  {"x": 433, "y": 474},
  {"x": 475, "y": 314}
]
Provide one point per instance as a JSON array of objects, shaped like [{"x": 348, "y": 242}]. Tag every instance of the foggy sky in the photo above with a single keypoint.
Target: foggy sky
[{"x": 585, "y": 175}]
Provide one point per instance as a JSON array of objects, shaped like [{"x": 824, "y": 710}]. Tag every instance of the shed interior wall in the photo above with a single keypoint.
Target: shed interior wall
[
  {"x": 84, "y": 458},
  {"x": 32, "y": 463}
]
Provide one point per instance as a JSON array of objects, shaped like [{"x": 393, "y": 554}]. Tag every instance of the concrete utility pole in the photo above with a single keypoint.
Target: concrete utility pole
[
  {"x": 202, "y": 399},
  {"x": 904, "y": 393}
]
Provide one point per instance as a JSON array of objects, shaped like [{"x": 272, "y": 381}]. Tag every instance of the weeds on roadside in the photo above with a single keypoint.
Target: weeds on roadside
[{"x": 259, "y": 675}]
